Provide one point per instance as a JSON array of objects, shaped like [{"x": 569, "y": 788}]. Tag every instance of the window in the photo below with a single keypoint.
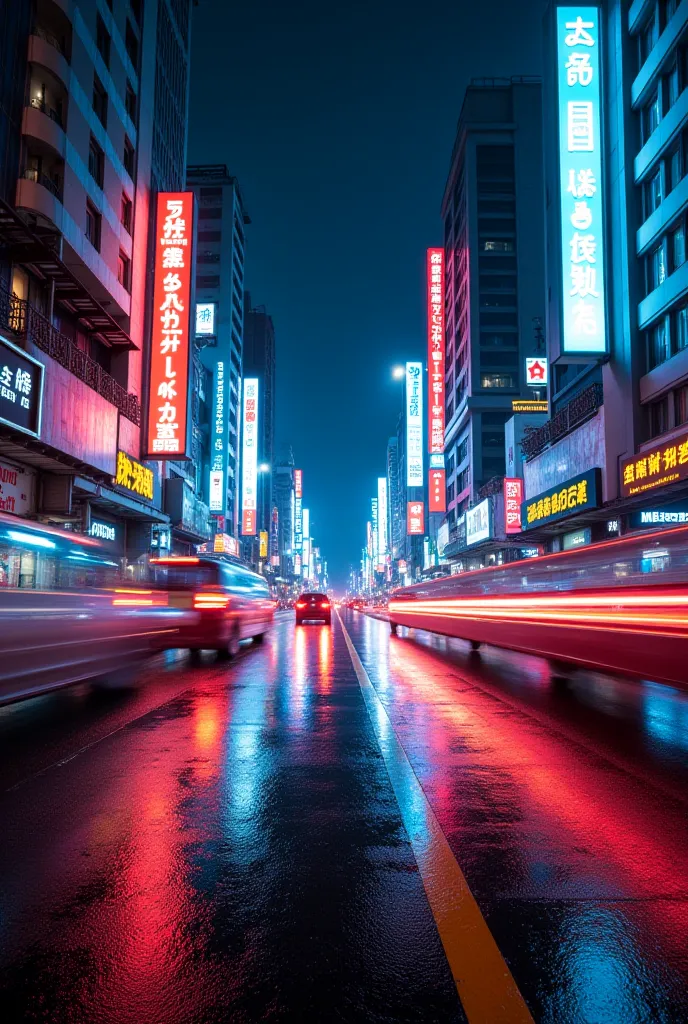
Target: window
[
  {"x": 210, "y": 213},
  {"x": 681, "y": 406},
  {"x": 648, "y": 38},
  {"x": 497, "y": 245},
  {"x": 208, "y": 282},
  {"x": 451, "y": 493},
  {"x": 678, "y": 247},
  {"x": 209, "y": 236},
  {"x": 650, "y": 117},
  {"x": 653, "y": 193},
  {"x": 100, "y": 100},
  {"x": 675, "y": 168},
  {"x": 462, "y": 451},
  {"x": 95, "y": 162},
  {"x": 657, "y": 267},
  {"x": 128, "y": 157},
  {"x": 672, "y": 85},
  {"x": 132, "y": 44},
  {"x": 659, "y": 416},
  {"x": 93, "y": 220},
  {"x": 208, "y": 257},
  {"x": 208, "y": 193},
  {"x": 124, "y": 270},
  {"x": 130, "y": 101},
  {"x": 681, "y": 329},
  {"x": 103, "y": 41},
  {"x": 668, "y": 9},
  {"x": 659, "y": 344},
  {"x": 496, "y": 380},
  {"x": 126, "y": 208}
]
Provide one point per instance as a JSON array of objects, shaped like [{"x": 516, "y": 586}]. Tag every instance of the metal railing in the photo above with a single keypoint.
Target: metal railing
[
  {"x": 492, "y": 486},
  {"x": 581, "y": 408},
  {"x": 31, "y": 174},
  {"x": 22, "y": 319},
  {"x": 53, "y": 114}
]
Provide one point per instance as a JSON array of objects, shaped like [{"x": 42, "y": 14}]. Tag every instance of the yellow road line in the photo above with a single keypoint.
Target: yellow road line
[{"x": 487, "y": 990}]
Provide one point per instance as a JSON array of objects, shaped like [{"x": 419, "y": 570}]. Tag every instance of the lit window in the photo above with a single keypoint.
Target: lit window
[{"x": 124, "y": 271}]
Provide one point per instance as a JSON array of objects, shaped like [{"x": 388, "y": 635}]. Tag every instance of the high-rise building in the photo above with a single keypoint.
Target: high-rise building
[
  {"x": 395, "y": 506},
  {"x": 285, "y": 499},
  {"x": 76, "y": 220},
  {"x": 220, "y": 252},
  {"x": 259, "y": 362},
  {"x": 493, "y": 212}
]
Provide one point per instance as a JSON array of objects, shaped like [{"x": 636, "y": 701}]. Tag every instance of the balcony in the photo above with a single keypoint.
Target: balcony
[
  {"x": 51, "y": 184},
  {"x": 54, "y": 113},
  {"x": 59, "y": 44},
  {"x": 17, "y": 316},
  {"x": 581, "y": 408}
]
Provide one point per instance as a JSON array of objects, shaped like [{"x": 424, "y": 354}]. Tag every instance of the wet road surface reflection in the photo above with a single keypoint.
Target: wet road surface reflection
[{"x": 225, "y": 844}]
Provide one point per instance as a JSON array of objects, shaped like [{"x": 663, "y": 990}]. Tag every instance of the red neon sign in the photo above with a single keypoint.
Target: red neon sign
[
  {"x": 437, "y": 491},
  {"x": 168, "y": 391},
  {"x": 513, "y": 499},
  {"x": 298, "y": 483},
  {"x": 415, "y": 518},
  {"x": 436, "y": 349},
  {"x": 248, "y": 522}
]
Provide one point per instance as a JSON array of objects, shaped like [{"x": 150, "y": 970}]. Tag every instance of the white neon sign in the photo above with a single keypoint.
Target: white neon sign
[
  {"x": 414, "y": 425},
  {"x": 249, "y": 458}
]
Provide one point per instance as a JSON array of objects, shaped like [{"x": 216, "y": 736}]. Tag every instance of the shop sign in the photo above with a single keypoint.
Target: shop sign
[
  {"x": 513, "y": 498},
  {"x": 576, "y": 495},
  {"x": 531, "y": 552},
  {"x": 249, "y": 457},
  {"x": 168, "y": 393},
  {"x": 414, "y": 425},
  {"x": 415, "y": 518},
  {"x": 669, "y": 516},
  {"x": 103, "y": 531},
  {"x": 576, "y": 539},
  {"x": 382, "y": 540},
  {"x": 436, "y": 460},
  {"x": 263, "y": 550},
  {"x": 528, "y": 405},
  {"x": 223, "y": 544},
  {"x": 205, "y": 319},
  {"x": 217, "y": 492},
  {"x": 442, "y": 539},
  {"x": 580, "y": 181},
  {"x": 536, "y": 372},
  {"x": 479, "y": 523},
  {"x": 133, "y": 476},
  {"x": 437, "y": 490},
  {"x": 298, "y": 483},
  {"x": 655, "y": 467},
  {"x": 436, "y": 347},
  {"x": 17, "y": 489},
  {"x": 21, "y": 389}
]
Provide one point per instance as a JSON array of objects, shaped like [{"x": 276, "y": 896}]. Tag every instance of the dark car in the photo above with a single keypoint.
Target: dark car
[{"x": 313, "y": 607}]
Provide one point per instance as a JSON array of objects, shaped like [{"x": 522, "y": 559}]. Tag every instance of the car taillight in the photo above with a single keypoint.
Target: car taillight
[
  {"x": 325, "y": 604},
  {"x": 210, "y": 599},
  {"x": 300, "y": 604}
]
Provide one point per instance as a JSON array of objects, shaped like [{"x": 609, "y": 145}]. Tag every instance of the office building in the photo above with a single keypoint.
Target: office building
[
  {"x": 259, "y": 362},
  {"x": 76, "y": 215},
  {"x": 493, "y": 213},
  {"x": 285, "y": 501},
  {"x": 220, "y": 250}
]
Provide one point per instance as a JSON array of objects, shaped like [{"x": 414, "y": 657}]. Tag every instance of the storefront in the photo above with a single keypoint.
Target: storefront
[
  {"x": 654, "y": 485},
  {"x": 568, "y": 515}
]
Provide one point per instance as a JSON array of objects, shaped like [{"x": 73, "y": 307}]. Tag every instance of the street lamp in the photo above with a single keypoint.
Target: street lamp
[
  {"x": 398, "y": 372},
  {"x": 263, "y": 468}
]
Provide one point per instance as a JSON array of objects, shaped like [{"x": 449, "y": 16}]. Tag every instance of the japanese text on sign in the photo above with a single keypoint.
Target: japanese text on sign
[
  {"x": 249, "y": 458},
  {"x": 169, "y": 375},
  {"x": 580, "y": 168},
  {"x": 573, "y": 496},
  {"x": 655, "y": 468},
  {"x": 513, "y": 499},
  {"x": 414, "y": 425},
  {"x": 133, "y": 476},
  {"x": 218, "y": 451},
  {"x": 415, "y": 518},
  {"x": 436, "y": 346},
  {"x": 437, "y": 491},
  {"x": 21, "y": 389}
]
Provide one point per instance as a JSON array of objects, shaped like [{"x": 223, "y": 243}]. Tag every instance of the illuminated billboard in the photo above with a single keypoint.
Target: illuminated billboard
[
  {"x": 536, "y": 372},
  {"x": 513, "y": 499},
  {"x": 375, "y": 526},
  {"x": 657, "y": 466},
  {"x": 249, "y": 457},
  {"x": 205, "y": 319},
  {"x": 437, "y": 490},
  {"x": 436, "y": 346},
  {"x": 298, "y": 523},
  {"x": 414, "y": 425},
  {"x": 382, "y": 513},
  {"x": 168, "y": 391},
  {"x": 580, "y": 181},
  {"x": 298, "y": 483},
  {"x": 415, "y": 518},
  {"x": 217, "y": 491}
]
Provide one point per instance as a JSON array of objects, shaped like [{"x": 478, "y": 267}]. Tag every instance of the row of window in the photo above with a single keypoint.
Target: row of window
[
  {"x": 667, "y": 257},
  {"x": 93, "y": 231},
  {"x": 667, "y": 337},
  {"x": 668, "y": 172},
  {"x": 96, "y": 168},
  {"x": 669, "y": 88},
  {"x": 104, "y": 42},
  {"x": 660, "y": 14},
  {"x": 670, "y": 411},
  {"x": 100, "y": 100}
]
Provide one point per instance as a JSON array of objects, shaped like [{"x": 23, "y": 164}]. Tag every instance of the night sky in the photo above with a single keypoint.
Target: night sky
[{"x": 338, "y": 120}]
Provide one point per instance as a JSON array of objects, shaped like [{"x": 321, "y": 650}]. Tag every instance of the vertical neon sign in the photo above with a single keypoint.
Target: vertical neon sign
[
  {"x": 249, "y": 458},
  {"x": 580, "y": 184},
  {"x": 436, "y": 349},
  {"x": 414, "y": 425}
]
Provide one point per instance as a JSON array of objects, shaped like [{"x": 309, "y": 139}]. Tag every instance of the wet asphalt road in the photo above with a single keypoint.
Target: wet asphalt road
[{"x": 227, "y": 843}]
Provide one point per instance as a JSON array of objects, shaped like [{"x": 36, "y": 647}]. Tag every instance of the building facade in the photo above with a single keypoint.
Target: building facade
[
  {"x": 76, "y": 219},
  {"x": 259, "y": 362},
  {"x": 493, "y": 212},
  {"x": 220, "y": 254}
]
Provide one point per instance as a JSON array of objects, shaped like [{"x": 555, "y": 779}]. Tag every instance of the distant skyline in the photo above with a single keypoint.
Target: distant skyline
[{"x": 339, "y": 122}]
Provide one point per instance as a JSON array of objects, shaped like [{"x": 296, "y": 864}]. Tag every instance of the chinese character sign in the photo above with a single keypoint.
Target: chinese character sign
[
  {"x": 414, "y": 425},
  {"x": 218, "y": 444},
  {"x": 168, "y": 395},
  {"x": 376, "y": 528},
  {"x": 415, "y": 518},
  {"x": 437, "y": 491},
  {"x": 133, "y": 476},
  {"x": 580, "y": 169},
  {"x": 382, "y": 513},
  {"x": 298, "y": 522},
  {"x": 513, "y": 499},
  {"x": 655, "y": 467},
  {"x": 298, "y": 483},
  {"x": 205, "y": 319},
  {"x": 249, "y": 458},
  {"x": 21, "y": 389},
  {"x": 435, "y": 269},
  {"x": 575, "y": 495}
]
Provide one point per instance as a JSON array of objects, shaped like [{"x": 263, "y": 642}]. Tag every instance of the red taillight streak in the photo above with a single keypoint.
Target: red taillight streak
[
  {"x": 210, "y": 600},
  {"x": 133, "y": 601},
  {"x": 300, "y": 604},
  {"x": 325, "y": 604},
  {"x": 181, "y": 560}
]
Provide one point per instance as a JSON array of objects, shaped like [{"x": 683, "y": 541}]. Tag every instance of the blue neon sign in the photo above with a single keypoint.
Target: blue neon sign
[{"x": 581, "y": 188}]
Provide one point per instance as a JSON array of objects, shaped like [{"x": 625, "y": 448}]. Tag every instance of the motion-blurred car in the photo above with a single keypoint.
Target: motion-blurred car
[
  {"x": 229, "y": 602},
  {"x": 313, "y": 608}
]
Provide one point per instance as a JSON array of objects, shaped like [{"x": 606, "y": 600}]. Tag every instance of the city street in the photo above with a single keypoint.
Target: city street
[{"x": 344, "y": 825}]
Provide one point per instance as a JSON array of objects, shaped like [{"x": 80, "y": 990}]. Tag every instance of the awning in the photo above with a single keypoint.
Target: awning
[
  {"x": 118, "y": 504},
  {"x": 35, "y": 247}
]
